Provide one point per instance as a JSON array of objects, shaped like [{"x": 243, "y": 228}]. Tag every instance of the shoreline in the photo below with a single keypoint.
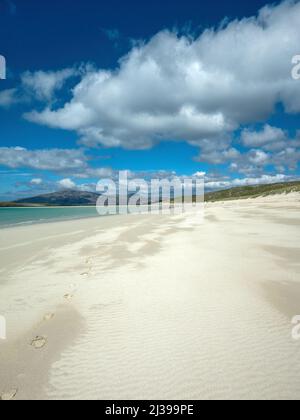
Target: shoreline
[
  {"x": 66, "y": 218},
  {"x": 46, "y": 222},
  {"x": 46, "y": 207}
]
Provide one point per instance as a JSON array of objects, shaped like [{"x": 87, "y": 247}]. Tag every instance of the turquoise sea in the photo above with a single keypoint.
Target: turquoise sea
[{"x": 25, "y": 216}]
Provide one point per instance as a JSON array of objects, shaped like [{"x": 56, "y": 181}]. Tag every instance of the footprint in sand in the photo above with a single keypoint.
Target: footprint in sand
[
  {"x": 87, "y": 273},
  {"x": 39, "y": 342},
  {"x": 68, "y": 296},
  {"x": 10, "y": 395},
  {"x": 48, "y": 317},
  {"x": 88, "y": 262}
]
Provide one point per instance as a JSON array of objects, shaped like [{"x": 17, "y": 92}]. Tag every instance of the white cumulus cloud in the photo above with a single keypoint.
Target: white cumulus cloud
[
  {"x": 243, "y": 182},
  {"x": 45, "y": 159},
  {"x": 67, "y": 184},
  {"x": 36, "y": 181},
  {"x": 178, "y": 88},
  {"x": 268, "y": 135},
  {"x": 8, "y": 97},
  {"x": 43, "y": 84}
]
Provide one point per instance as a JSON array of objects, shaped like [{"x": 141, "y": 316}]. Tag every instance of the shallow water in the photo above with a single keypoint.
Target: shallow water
[{"x": 22, "y": 216}]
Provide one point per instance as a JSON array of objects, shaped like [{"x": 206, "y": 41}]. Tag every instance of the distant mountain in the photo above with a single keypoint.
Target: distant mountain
[
  {"x": 57, "y": 199},
  {"x": 61, "y": 198}
]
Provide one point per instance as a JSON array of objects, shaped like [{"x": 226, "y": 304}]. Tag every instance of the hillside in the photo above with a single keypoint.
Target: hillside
[
  {"x": 253, "y": 191},
  {"x": 61, "y": 198}
]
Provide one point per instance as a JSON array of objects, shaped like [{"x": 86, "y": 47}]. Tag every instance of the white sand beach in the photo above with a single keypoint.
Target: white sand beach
[{"x": 154, "y": 307}]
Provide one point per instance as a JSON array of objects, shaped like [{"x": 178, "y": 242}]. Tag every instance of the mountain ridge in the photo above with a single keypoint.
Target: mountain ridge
[{"x": 77, "y": 198}]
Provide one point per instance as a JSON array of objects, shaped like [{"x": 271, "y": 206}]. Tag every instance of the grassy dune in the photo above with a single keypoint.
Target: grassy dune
[{"x": 253, "y": 191}]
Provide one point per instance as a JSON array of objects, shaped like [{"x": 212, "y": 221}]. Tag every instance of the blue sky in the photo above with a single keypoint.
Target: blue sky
[{"x": 180, "y": 87}]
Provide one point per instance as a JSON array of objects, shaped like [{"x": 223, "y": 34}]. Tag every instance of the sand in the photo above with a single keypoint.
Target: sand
[{"x": 154, "y": 307}]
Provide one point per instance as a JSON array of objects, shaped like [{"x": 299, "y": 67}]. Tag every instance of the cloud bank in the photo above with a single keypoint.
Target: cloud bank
[
  {"x": 179, "y": 88},
  {"x": 58, "y": 160}
]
